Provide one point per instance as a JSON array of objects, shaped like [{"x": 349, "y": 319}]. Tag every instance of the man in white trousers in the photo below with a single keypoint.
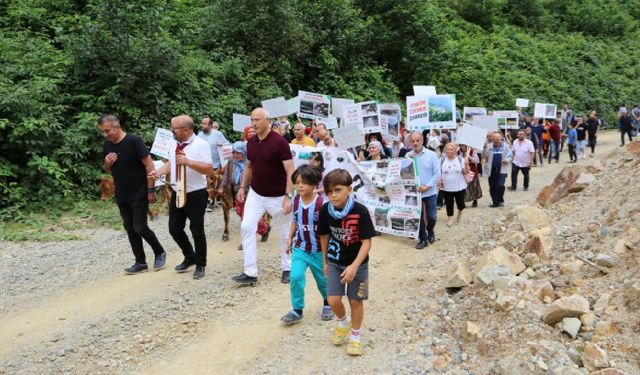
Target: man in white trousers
[{"x": 266, "y": 186}]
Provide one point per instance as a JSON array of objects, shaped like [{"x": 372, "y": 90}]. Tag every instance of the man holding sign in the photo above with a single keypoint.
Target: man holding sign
[{"x": 214, "y": 138}]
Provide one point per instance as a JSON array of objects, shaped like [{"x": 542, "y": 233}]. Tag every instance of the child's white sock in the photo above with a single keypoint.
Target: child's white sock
[
  {"x": 355, "y": 335},
  {"x": 343, "y": 322}
]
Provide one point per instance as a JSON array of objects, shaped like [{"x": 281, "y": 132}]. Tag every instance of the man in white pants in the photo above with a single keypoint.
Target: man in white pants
[{"x": 268, "y": 173}]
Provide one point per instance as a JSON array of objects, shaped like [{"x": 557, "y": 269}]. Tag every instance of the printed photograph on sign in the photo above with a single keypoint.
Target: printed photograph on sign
[
  {"x": 469, "y": 112},
  {"x": 507, "y": 119},
  {"x": 393, "y": 113},
  {"x": 380, "y": 216},
  {"x": 313, "y": 105},
  {"x": 442, "y": 109},
  {"x": 550, "y": 111},
  {"x": 369, "y": 123}
]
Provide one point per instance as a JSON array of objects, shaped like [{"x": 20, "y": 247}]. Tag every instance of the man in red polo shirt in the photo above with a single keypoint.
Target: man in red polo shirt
[{"x": 266, "y": 186}]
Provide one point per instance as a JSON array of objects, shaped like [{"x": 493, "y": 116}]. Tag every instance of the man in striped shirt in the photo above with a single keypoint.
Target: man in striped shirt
[{"x": 304, "y": 242}]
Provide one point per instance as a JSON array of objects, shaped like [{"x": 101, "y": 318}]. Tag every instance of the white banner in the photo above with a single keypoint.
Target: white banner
[
  {"x": 472, "y": 136},
  {"x": 424, "y": 90},
  {"x": 486, "y": 122},
  {"x": 162, "y": 143},
  {"x": 522, "y": 103},
  {"x": 348, "y": 137},
  {"x": 337, "y": 105},
  {"x": 314, "y": 106},
  {"x": 545, "y": 110},
  {"x": 469, "y": 112},
  {"x": 240, "y": 122},
  {"x": 276, "y": 107},
  {"x": 293, "y": 105},
  {"x": 330, "y": 122}
]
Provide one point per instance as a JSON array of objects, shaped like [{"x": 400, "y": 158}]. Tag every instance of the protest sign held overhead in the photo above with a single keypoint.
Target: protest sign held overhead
[
  {"x": 417, "y": 113},
  {"x": 276, "y": 107},
  {"x": 469, "y": 112},
  {"x": 363, "y": 115},
  {"x": 314, "y": 106},
  {"x": 507, "y": 119},
  {"x": 522, "y": 103},
  {"x": 337, "y": 105},
  {"x": 240, "y": 122},
  {"x": 393, "y": 113},
  {"x": 330, "y": 122},
  {"x": 545, "y": 110},
  {"x": 348, "y": 137},
  {"x": 442, "y": 112},
  {"x": 162, "y": 143},
  {"x": 472, "y": 136},
  {"x": 420, "y": 90},
  {"x": 225, "y": 151},
  {"x": 489, "y": 123},
  {"x": 293, "y": 105}
]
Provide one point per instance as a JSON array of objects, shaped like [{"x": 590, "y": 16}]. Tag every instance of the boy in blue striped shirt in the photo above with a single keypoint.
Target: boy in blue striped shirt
[{"x": 304, "y": 242}]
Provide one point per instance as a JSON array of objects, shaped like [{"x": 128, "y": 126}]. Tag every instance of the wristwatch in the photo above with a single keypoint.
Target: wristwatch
[{"x": 290, "y": 195}]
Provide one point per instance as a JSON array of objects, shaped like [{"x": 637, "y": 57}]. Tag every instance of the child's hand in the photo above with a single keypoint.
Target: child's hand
[
  {"x": 348, "y": 274},
  {"x": 288, "y": 248},
  {"x": 325, "y": 269}
]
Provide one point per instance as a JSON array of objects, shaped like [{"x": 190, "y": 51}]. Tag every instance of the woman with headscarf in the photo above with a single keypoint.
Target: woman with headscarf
[
  {"x": 233, "y": 177},
  {"x": 376, "y": 151}
]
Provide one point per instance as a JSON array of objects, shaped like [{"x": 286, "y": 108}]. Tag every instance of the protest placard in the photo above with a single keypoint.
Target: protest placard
[
  {"x": 442, "y": 112},
  {"x": 417, "y": 113},
  {"x": 472, "y": 136},
  {"x": 507, "y": 119},
  {"x": 370, "y": 117},
  {"x": 522, "y": 103},
  {"x": 293, "y": 105},
  {"x": 240, "y": 122},
  {"x": 337, "y": 105},
  {"x": 486, "y": 122},
  {"x": 162, "y": 143},
  {"x": 330, "y": 122},
  {"x": 225, "y": 151},
  {"x": 393, "y": 113},
  {"x": 545, "y": 110},
  {"x": 419, "y": 90},
  {"x": 351, "y": 116},
  {"x": 314, "y": 106},
  {"x": 276, "y": 107},
  {"x": 469, "y": 112},
  {"x": 348, "y": 137}
]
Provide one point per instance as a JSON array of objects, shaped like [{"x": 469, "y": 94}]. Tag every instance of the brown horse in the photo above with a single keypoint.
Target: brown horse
[{"x": 108, "y": 188}]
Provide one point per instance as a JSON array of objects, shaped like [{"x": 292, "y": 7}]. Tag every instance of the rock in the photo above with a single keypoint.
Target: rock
[
  {"x": 588, "y": 321},
  {"x": 531, "y": 259},
  {"x": 594, "y": 166},
  {"x": 593, "y": 357},
  {"x": 488, "y": 274},
  {"x": 500, "y": 256},
  {"x": 532, "y": 218},
  {"x": 544, "y": 290},
  {"x": 634, "y": 148},
  {"x": 571, "y": 179},
  {"x": 513, "y": 240},
  {"x": 601, "y": 304},
  {"x": 632, "y": 295},
  {"x": 460, "y": 276},
  {"x": 604, "y": 328},
  {"x": 572, "y": 306},
  {"x": 442, "y": 361},
  {"x": 539, "y": 245},
  {"x": 571, "y": 267},
  {"x": 571, "y": 326},
  {"x": 566, "y": 370},
  {"x": 472, "y": 330},
  {"x": 505, "y": 302},
  {"x": 608, "y": 371},
  {"x": 605, "y": 260}
]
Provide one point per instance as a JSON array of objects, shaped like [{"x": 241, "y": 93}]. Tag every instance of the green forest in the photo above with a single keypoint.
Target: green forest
[{"x": 63, "y": 63}]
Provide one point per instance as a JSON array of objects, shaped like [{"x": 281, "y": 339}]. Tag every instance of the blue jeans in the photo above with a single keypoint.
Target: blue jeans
[
  {"x": 554, "y": 150},
  {"x": 430, "y": 215}
]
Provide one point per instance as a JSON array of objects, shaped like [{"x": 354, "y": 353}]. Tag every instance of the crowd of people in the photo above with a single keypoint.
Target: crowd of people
[{"x": 330, "y": 233}]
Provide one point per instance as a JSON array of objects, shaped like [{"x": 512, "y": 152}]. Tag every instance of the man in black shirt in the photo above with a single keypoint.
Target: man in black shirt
[
  {"x": 129, "y": 162},
  {"x": 593, "y": 125},
  {"x": 581, "y": 130}
]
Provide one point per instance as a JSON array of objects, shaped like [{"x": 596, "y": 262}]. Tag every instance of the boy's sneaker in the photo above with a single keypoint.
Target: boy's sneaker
[
  {"x": 327, "y": 314},
  {"x": 136, "y": 268},
  {"x": 354, "y": 348},
  {"x": 341, "y": 334},
  {"x": 159, "y": 262},
  {"x": 292, "y": 317}
]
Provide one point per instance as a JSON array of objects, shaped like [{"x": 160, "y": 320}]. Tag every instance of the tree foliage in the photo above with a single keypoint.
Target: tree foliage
[{"x": 64, "y": 62}]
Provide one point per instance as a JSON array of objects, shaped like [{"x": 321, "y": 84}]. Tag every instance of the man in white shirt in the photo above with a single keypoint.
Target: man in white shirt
[
  {"x": 325, "y": 140},
  {"x": 523, "y": 155},
  {"x": 214, "y": 138},
  {"x": 195, "y": 153}
]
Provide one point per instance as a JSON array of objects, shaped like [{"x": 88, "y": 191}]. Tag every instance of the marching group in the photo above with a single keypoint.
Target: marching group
[{"x": 330, "y": 232}]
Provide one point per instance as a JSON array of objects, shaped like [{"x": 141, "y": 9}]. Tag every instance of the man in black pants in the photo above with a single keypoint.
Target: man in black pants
[
  {"x": 593, "y": 126},
  {"x": 195, "y": 153},
  {"x": 129, "y": 162}
]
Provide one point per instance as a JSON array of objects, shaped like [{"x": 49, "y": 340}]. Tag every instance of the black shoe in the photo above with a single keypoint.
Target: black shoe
[
  {"x": 421, "y": 245},
  {"x": 210, "y": 207},
  {"x": 501, "y": 204},
  {"x": 184, "y": 266},
  {"x": 265, "y": 236},
  {"x": 526, "y": 189},
  {"x": 243, "y": 278},
  {"x": 494, "y": 205},
  {"x": 136, "y": 268},
  {"x": 475, "y": 203},
  {"x": 285, "y": 277},
  {"x": 512, "y": 188},
  {"x": 431, "y": 239},
  {"x": 158, "y": 264},
  {"x": 198, "y": 273}
]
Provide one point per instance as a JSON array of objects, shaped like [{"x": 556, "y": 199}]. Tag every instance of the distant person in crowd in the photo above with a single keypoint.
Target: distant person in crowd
[
  {"x": 300, "y": 137},
  {"x": 523, "y": 155},
  {"x": 324, "y": 138},
  {"x": 429, "y": 173},
  {"x": 195, "y": 154},
  {"x": 233, "y": 177},
  {"x": 625, "y": 124},
  {"x": 128, "y": 160},
  {"x": 432, "y": 139},
  {"x": 555, "y": 133},
  {"x": 317, "y": 160},
  {"x": 581, "y": 137},
  {"x": 397, "y": 148},
  {"x": 593, "y": 127},
  {"x": 284, "y": 124},
  {"x": 635, "y": 116},
  {"x": 452, "y": 183},
  {"x": 214, "y": 138},
  {"x": 249, "y": 131},
  {"x": 572, "y": 141},
  {"x": 568, "y": 118},
  {"x": 376, "y": 151},
  {"x": 346, "y": 233},
  {"x": 268, "y": 173},
  {"x": 497, "y": 156},
  {"x": 304, "y": 242},
  {"x": 474, "y": 191},
  {"x": 378, "y": 137},
  {"x": 546, "y": 138},
  {"x": 537, "y": 128},
  {"x": 531, "y": 136}
]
